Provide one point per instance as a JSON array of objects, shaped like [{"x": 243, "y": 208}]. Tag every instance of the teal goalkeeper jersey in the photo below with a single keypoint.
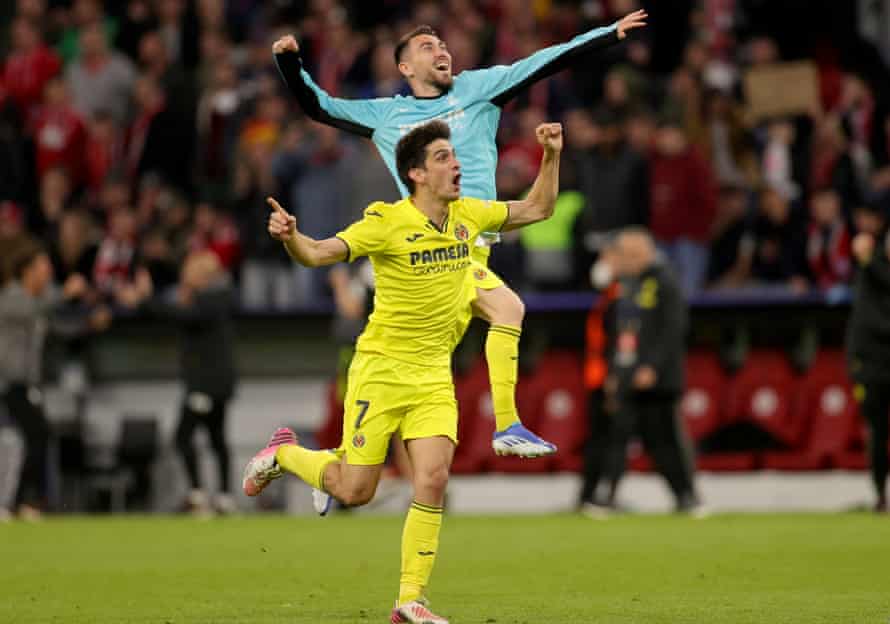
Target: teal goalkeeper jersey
[{"x": 472, "y": 107}]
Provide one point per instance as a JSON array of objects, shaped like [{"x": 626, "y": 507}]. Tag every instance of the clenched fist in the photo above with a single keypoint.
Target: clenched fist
[
  {"x": 282, "y": 225},
  {"x": 550, "y": 136},
  {"x": 286, "y": 43}
]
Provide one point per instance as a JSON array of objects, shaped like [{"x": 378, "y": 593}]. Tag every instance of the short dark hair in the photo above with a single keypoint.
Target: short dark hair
[
  {"x": 411, "y": 148},
  {"x": 24, "y": 251},
  {"x": 406, "y": 39}
]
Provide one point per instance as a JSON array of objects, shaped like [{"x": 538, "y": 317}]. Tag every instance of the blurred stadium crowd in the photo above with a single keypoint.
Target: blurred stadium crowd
[{"x": 134, "y": 132}]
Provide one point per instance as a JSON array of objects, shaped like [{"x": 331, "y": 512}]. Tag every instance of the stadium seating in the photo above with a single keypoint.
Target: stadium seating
[
  {"x": 703, "y": 410},
  {"x": 706, "y": 383},
  {"x": 761, "y": 394},
  {"x": 476, "y": 421},
  {"x": 823, "y": 401},
  {"x": 854, "y": 456},
  {"x": 812, "y": 417},
  {"x": 562, "y": 411}
]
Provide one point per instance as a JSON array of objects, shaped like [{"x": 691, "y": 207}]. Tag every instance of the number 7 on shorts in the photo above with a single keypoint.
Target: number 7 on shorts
[{"x": 363, "y": 409}]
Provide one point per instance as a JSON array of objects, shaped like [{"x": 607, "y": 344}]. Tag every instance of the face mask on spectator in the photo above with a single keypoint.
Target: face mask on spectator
[{"x": 601, "y": 274}]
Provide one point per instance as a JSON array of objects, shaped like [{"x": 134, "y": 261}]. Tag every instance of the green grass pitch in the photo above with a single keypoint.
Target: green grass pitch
[{"x": 494, "y": 570}]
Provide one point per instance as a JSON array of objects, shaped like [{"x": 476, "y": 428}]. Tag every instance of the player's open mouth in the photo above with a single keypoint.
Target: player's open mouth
[
  {"x": 456, "y": 180},
  {"x": 443, "y": 66}
]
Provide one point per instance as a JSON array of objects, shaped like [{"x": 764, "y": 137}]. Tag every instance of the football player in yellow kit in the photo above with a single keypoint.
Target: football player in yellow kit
[{"x": 400, "y": 379}]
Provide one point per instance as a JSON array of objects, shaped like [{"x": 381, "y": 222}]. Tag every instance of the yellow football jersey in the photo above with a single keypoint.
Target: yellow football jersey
[{"x": 421, "y": 274}]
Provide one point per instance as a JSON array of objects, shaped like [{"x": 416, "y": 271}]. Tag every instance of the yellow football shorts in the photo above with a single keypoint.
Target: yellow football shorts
[{"x": 387, "y": 395}]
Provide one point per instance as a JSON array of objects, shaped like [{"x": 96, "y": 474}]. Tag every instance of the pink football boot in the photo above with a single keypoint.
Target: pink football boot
[{"x": 263, "y": 469}]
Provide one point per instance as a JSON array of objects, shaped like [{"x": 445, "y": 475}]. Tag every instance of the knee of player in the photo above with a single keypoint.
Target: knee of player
[
  {"x": 514, "y": 310},
  {"x": 433, "y": 479},
  {"x": 357, "y": 496},
  {"x": 506, "y": 309}
]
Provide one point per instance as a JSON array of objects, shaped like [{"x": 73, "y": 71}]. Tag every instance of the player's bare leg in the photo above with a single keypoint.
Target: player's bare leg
[
  {"x": 322, "y": 500},
  {"x": 350, "y": 484},
  {"x": 505, "y": 312},
  {"x": 431, "y": 461}
]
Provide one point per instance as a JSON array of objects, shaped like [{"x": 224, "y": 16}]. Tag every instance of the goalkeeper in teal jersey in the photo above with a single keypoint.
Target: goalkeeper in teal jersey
[{"x": 471, "y": 104}]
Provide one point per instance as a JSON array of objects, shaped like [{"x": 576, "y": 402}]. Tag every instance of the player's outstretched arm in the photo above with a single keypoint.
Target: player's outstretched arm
[
  {"x": 354, "y": 116},
  {"x": 305, "y": 250},
  {"x": 502, "y": 83},
  {"x": 541, "y": 200}
]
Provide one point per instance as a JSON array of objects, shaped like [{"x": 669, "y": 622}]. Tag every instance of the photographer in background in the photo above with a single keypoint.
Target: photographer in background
[{"x": 868, "y": 340}]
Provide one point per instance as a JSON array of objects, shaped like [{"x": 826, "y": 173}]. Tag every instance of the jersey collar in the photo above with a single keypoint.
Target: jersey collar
[
  {"x": 434, "y": 97},
  {"x": 430, "y": 222}
]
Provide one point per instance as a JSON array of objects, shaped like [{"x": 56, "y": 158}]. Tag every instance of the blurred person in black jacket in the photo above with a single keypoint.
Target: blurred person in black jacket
[
  {"x": 202, "y": 305},
  {"x": 646, "y": 365},
  {"x": 614, "y": 179},
  {"x": 868, "y": 341}
]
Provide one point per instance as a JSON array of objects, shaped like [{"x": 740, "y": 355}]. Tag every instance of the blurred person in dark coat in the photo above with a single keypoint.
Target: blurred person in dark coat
[
  {"x": 160, "y": 139},
  {"x": 646, "y": 365},
  {"x": 614, "y": 179},
  {"x": 202, "y": 306},
  {"x": 868, "y": 341}
]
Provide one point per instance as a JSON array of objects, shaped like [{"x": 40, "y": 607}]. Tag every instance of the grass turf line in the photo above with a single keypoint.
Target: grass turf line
[{"x": 494, "y": 570}]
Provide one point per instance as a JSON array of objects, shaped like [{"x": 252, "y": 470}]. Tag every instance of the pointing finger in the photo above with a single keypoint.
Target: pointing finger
[{"x": 272, "y": 202}]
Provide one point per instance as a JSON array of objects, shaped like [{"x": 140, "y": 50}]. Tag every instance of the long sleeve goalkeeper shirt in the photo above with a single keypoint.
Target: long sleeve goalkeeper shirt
[{"x": 472, "y": 107}]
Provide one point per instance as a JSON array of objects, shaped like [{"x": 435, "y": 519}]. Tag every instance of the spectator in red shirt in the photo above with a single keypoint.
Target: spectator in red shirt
[
  {"x": 518, "y": 147},
  {"x": 59, "y": 133},
  {"x": 29, "y": 66},
  {"x": 217, "y": 121},
  {"x": 215, "y": 232},
  {"x": 103, "y": 150},
  {"x": 114, "y": 261},
  {"x": 828, "y": 241},
  {"x": 682, "y": 203},
  {"x": 12, "y": 227}
]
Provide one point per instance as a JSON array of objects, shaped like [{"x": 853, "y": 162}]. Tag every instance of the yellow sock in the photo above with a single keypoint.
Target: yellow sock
[
  {"x": 420, "y": 541},
  {"x": 306, "y": 464},
  {"x": 502, "y": 353}
]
